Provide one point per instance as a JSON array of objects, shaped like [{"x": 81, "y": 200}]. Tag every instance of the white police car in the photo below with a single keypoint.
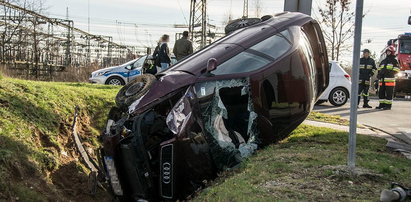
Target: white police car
[{"x": 118, "y": 75}]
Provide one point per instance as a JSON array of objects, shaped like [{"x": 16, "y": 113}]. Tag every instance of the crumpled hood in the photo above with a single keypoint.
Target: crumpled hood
[{"x": 165, "y": 85}]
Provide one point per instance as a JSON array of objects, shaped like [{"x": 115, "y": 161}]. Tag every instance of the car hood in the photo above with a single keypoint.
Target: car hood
[
  {"x": 106, "y": 69},
  {"x": 168, "y": 83}
]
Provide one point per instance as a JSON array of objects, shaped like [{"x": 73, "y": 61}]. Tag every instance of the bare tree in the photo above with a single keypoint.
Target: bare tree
[
  {"x": 337, "y": 21},
  {"x": 258, "y": 8}
]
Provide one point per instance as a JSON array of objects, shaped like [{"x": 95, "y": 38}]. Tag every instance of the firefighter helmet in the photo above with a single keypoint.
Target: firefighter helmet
[{"x": 391, "y": 49}]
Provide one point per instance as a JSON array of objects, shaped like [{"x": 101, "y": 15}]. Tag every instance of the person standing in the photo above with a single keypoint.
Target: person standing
[
  {"x": 183, "y": 47},
  {"x": 386, "y": 75},
  {"x": 164, "y": 52},
  {"x": 367, "y": 68}
]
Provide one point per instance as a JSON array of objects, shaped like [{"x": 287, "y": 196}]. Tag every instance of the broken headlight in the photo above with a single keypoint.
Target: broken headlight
[{"x": 112, "y": 173}]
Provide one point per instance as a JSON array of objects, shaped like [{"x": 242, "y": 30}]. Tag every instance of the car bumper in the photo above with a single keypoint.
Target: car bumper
[{"x": 98, "y": 80}]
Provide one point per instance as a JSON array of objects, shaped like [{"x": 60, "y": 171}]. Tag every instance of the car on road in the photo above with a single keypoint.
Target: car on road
[
  {"x": 339, "y": 88},
  {"x": 118, "y": 75},
  {"x": 172, "y": 132}
]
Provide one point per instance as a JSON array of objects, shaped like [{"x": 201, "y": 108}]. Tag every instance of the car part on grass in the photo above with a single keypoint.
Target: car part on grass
[
  {"x": 134, "y": 90},
  {"x": 212, "y": 110},
  {"x": 95, "y": 173},
  {"x": 397, "y": 192}
]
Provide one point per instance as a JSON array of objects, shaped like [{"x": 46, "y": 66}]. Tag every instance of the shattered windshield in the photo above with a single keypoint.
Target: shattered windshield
[{"x": 257, "y": 56}]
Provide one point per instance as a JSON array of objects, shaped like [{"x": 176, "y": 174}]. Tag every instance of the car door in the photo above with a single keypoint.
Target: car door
[{"x": 136, "y": 68}]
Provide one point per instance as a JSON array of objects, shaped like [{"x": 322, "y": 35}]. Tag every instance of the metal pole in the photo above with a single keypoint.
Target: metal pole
[{"x": 354, "y": 84}]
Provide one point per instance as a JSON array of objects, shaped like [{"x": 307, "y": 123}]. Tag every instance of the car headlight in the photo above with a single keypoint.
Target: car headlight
[
  {"x": 400, "y": 75},
  {"x": 102, "y": 73},
  {"x": 112, "y": 173}
]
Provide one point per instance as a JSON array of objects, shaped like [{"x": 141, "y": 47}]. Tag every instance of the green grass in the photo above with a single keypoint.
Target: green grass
[
  {"x": 35, "y": 138},
  {"x": 308, "y": 166},
  {"x": 38, "y": 162},
  {"x": 317, "y": 116}
]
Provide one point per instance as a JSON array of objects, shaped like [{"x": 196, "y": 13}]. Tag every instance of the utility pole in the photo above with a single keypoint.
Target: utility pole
[
  {"x": 352, "y": 140},
  {"x": 88, "y": 16},
  {"x": 198, "y": 22},
  {"x": 68, "y": 43},
  {"x": 302, "y": 6},
  {"x": 245, "y": 9}
]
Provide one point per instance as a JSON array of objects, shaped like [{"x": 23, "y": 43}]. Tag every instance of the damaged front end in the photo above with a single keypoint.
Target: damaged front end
[{"x": 172, "y": 149}]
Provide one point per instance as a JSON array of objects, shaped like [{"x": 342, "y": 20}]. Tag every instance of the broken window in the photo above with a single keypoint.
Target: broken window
[{"x": 229, "y": 120}]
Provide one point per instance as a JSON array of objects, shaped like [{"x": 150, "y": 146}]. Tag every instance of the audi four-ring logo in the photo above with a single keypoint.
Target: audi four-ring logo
[{"x": 166, "y": 173}]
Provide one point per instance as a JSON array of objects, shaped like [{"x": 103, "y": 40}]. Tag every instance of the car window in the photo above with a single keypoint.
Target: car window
[
  {"x": 274, "y": 46},
  {"x": 257, "y": 56},
  {"x": 243, "y": 62},
  {"x": 139, "y": 62}
]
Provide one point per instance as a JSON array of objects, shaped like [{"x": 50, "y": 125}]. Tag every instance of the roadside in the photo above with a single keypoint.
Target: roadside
[
  {"x": 309, "y": 166},
  {"x": 395, "y": 121},
  {"x": 38, "y": 161}
]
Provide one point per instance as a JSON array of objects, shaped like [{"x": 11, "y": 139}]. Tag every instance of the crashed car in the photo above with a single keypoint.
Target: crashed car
[{"x": 172, "y": 132}]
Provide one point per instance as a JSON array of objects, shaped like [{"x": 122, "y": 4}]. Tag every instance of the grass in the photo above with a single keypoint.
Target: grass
[
  {"x": 317, "y": 116},
  {"x": 35, "y": 139},
  {"x": 308, "y": 167},
  {"x": 38, "y": 161}
]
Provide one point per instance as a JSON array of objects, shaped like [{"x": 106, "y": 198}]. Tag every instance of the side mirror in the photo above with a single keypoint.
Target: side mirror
[
  {"x": 129, "y": 67},
  {"x": 409, "y": 20},
  {"x": 211, "y": 64}
]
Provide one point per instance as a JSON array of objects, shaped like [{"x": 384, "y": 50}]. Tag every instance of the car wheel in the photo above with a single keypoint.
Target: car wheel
[
  {"x": 115, "y": 81},
  {"x": 240, "y": 23},
  {"x": 338, "y": 96},
  {"x": 320, "y": 102},
  {"x": 134, "y": 90}
]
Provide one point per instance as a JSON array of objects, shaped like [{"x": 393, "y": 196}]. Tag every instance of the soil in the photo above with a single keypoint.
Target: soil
[{"x": 66, "y": 182}]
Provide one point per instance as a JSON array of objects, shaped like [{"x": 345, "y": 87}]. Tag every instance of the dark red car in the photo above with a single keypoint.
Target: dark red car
[{"x": 173, "y": 131}]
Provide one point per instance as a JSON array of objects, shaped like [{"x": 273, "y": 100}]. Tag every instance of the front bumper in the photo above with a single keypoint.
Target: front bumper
[
  {"x": 98, "y": 80},
  {"x": 403, "y": 87}
]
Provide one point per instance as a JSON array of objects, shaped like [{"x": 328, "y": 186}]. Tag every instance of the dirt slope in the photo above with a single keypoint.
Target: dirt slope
[{"x": 37, "y": 157}]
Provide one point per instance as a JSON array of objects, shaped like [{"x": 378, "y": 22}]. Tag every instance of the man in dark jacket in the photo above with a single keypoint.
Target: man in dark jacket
[
  {"x": 183, "y": 47},
  {"x": 386, "y": 75},
  {"x": 367, "y": 68}
]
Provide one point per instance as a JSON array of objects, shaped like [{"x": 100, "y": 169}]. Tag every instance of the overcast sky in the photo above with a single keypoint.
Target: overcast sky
[{"x": 141, "y": 22}]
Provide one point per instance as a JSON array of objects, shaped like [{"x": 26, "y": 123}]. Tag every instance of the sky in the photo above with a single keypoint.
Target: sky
[{"x": 142, "y": 22}]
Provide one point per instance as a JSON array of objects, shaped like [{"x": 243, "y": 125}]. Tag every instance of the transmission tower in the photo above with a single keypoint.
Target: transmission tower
[
  {"x": 198, "y": 22},
  {"x": 245, "y": 9}
]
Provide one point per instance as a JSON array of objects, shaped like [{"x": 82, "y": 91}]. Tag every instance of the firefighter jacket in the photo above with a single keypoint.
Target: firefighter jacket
[
  {"x": 367, "y": 69},
  {"x": 387, "y": 70}
]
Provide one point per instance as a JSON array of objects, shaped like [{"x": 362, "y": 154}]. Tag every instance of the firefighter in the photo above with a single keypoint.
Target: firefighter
[
  {"x": 386, "y": 75},
  {"x": 367, "y": 69}
]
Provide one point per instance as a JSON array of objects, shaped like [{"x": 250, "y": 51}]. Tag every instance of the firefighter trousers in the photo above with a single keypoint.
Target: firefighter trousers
[
  {"x": 385, "y": 95},
  {"x": 363, "y": 91}
]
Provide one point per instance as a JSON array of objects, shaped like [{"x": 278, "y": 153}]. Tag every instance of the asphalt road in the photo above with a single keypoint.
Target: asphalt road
[{"x": 394, "y": 121}]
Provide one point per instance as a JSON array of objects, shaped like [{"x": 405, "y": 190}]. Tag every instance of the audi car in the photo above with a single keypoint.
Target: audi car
[{"x": 172, "y": 132}]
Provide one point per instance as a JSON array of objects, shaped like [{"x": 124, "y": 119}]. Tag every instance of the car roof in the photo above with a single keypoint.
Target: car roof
[{"x": 239, "y": 40}]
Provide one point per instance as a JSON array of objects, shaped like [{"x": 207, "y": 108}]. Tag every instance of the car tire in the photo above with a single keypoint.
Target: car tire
[
  {"x": 338, "y": 96},
  {"x": 134, "y": 90},
  {"x": 320, "y": 102},
  {"x": 115, "y": 81},
  {"x": 241, "y": 23}
]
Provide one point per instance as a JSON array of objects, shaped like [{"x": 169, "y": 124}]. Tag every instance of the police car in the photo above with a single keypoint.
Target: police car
[{"x": 118, "y": 75}]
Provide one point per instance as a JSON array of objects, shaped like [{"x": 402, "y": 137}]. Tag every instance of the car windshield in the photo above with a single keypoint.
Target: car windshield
[
  {"x": 139, "y": 62},
  {"x": 405, "y": 46},
  {"x": 257, "y": 56}
]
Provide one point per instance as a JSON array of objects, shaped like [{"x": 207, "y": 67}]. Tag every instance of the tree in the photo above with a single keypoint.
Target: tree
[{"x": 337, "y": 22}]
